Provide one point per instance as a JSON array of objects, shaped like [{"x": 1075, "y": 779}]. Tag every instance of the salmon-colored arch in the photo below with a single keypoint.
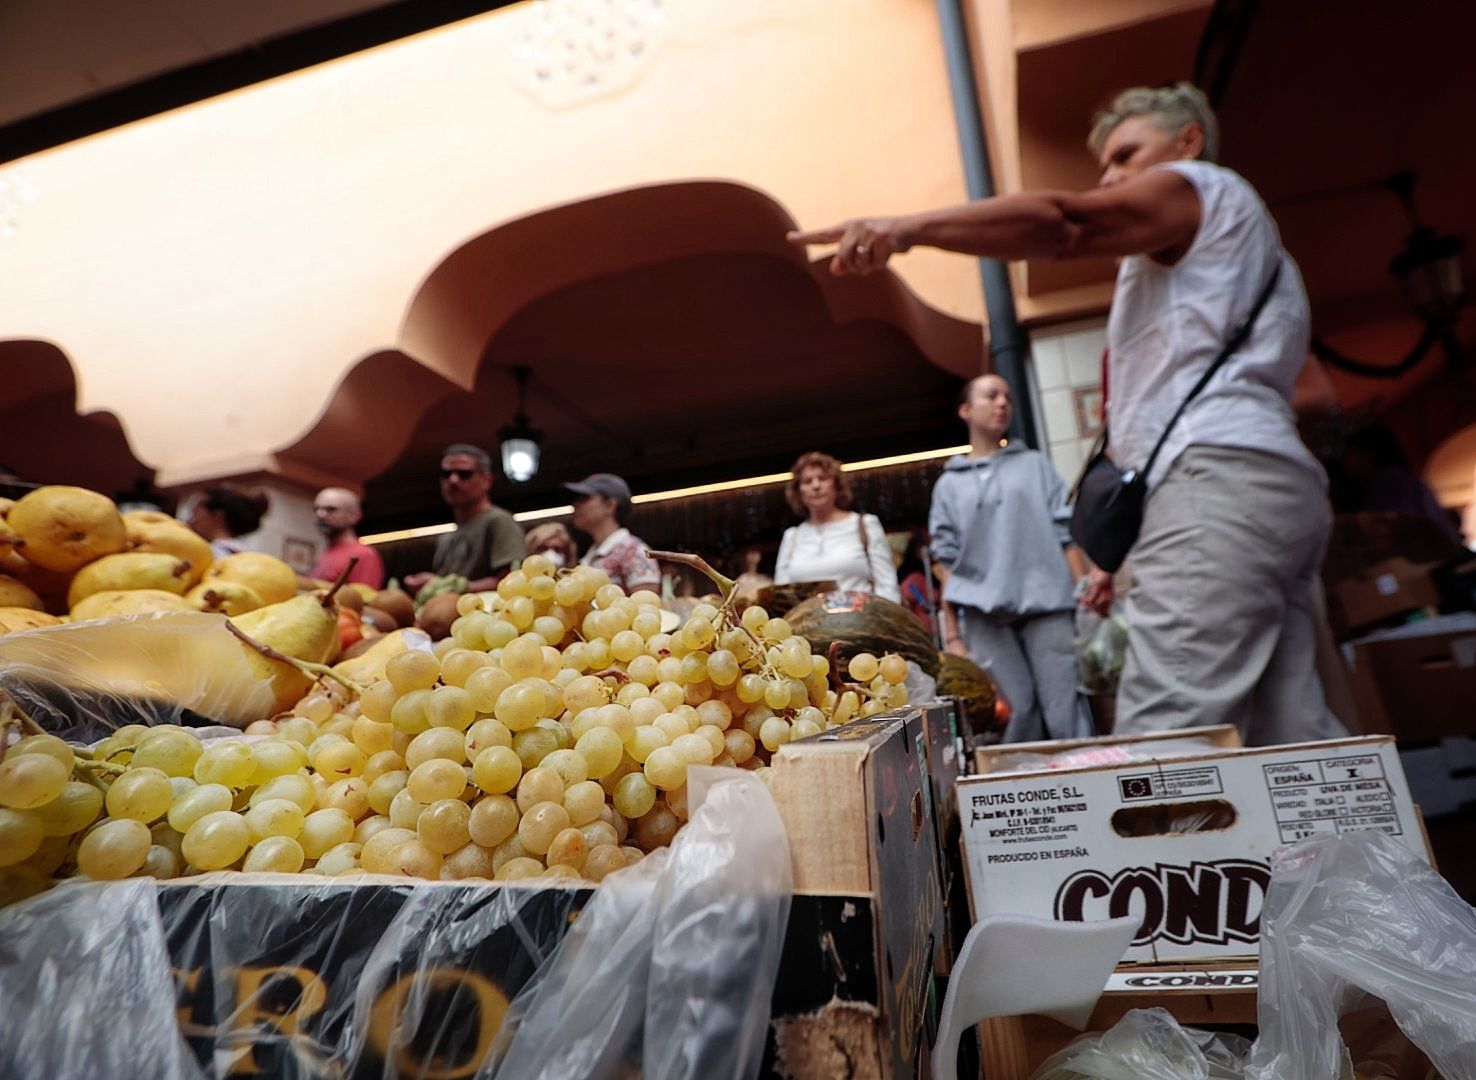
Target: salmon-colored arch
[
  {"x": 43, "y": 437},
  {"x": 477, "y": 288}
]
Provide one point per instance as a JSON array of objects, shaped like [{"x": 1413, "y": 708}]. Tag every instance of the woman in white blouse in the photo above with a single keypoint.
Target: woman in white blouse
[{"x": 833, "y": 543}]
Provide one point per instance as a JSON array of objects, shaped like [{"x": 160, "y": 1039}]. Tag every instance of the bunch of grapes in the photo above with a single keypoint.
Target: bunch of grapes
[{"x": 549, "y": 736}]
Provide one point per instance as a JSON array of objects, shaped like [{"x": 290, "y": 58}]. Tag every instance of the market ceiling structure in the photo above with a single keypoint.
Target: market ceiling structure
[{"x": 1319, "y": 105}]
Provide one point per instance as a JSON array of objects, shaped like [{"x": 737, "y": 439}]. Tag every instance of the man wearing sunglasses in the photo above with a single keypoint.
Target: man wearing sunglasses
[{"x": 487, "y": 541}]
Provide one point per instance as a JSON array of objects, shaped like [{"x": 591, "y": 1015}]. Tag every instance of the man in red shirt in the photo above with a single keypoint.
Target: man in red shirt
[{"x": 337, "y": 512}]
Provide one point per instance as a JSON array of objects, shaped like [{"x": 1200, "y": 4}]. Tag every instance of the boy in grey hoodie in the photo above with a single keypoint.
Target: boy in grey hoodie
[{"x": 999, "y": 530}]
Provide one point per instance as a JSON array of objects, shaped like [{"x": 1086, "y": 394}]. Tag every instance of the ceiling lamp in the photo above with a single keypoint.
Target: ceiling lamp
[
  {"x": 1430, "y": 276},
  {"x": 519, "y": 440}
]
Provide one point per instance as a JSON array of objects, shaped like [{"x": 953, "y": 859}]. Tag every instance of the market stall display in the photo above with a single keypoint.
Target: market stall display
[{"x": 548, "y": 734}]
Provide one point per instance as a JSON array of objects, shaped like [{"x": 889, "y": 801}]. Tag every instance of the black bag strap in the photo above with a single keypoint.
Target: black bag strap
[{"x": 1232, "y": 343}]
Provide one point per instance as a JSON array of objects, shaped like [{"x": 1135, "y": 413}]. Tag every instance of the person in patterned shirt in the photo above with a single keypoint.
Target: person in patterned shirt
[{"x": 601, "y": 503}]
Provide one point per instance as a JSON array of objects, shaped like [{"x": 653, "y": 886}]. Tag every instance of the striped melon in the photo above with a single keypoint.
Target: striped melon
[{"x": 862, "y": 622}]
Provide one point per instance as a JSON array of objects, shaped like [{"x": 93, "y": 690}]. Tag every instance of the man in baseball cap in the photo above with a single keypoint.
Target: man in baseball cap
[{"x": 601, "y": 503}]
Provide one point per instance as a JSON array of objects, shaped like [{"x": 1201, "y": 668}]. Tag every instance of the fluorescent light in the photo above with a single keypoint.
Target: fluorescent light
[
  {"x": 408, "y": 534},
  {"x": 683, "y": 492},
  {"x": 539, "y": 515}
]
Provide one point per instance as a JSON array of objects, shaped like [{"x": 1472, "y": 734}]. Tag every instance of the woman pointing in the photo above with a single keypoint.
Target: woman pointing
[{"x": 1237, "y": 517}]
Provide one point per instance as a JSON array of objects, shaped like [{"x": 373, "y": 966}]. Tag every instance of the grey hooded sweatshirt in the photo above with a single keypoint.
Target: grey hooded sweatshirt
[{"x": 999, "y": 524}]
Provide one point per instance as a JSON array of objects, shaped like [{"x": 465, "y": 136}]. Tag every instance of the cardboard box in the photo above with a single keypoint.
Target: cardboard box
[
  {"x": 1185, "y": 842},
  {"x": 1060, "y": 754},
  {"x": 1013, "y": 1047},
  {"x": 1387, "y": 590},
  {"x": 1418, "y": 683},
  {"x": 857, "y": 804}
]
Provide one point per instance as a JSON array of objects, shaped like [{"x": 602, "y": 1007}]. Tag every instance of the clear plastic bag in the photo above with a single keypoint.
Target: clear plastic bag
[
  {"x": 1101, "y": 650},
  {"x": 676, "y": 955},
  {"x": 86, "y": 988},
  {"x": 1352, "y": 915},
  {"x": 1147, "y": 1044},
  {"x": 84, "y": 680},
  {"x": 667, "y": 969}
]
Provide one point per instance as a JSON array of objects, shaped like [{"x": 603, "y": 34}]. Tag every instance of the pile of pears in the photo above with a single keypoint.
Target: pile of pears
[{"x": 66, "y": 553}]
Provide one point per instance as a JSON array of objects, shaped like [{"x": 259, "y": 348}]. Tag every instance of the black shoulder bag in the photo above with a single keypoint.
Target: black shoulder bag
[{"x": 1108, "y": 502}]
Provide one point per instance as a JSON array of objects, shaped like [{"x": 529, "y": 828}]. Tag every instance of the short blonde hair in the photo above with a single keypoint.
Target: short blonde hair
[
  {"x": 540, "y": 535},
  {"x": 1171, "y": 107},
  {"x": 830, "y": 468}
]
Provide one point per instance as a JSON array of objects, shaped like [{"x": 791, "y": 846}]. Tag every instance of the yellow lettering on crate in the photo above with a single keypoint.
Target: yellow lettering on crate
[
  {"x": 384, "y": 1020},
  {"x": 254, "y": 1011},
  {"x": 186, "y": 981}
]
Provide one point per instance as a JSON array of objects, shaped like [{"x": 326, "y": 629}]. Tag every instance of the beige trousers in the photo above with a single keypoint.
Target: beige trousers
[{"x": 1220, "y": 614}]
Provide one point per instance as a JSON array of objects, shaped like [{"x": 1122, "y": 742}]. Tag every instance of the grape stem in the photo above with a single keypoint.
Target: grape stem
[
  {"x": 612, "y": 673},
  {"x": 726, "y": 585},
  {"x": 838, "y": 684},
  {"x": 307, "y": 667},
  {"x": 13, "y": 713}
]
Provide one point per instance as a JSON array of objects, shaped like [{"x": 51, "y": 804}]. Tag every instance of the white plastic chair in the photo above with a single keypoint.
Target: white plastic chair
[{"x": 1015, "y": 964}]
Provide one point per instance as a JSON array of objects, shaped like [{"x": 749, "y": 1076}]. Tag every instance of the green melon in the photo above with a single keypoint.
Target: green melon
[{"x": 863, "y": 623}]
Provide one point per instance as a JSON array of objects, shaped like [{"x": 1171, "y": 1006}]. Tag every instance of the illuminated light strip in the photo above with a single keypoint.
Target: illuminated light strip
[{"x": 680, "y": 493}]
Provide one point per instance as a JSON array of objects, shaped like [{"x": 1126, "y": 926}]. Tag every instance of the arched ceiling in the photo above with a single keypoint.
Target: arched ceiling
[
  {"x": 669, "y": 329},
  {"x": 664, "y": 372},
  {"x": 43, "y": 438}
]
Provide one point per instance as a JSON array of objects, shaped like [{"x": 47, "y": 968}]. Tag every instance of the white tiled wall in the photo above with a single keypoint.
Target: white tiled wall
[{"x": 1068, "y": 361}]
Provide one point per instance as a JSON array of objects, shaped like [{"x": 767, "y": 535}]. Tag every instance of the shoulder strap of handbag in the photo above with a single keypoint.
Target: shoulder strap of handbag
[
  {"x": 1235, "y": 341},
  {"x": 865, "y": 550}
]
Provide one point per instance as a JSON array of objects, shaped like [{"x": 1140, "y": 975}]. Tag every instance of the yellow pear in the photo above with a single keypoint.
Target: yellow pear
[
  {"x": 19, "y": 618},
  {"x": 149, "y": 530},
  {"x": 65, "y": 528},
  {"x": 9, "y": 538},
  {"x": 111, "y": 602},
  {"x": 271, "y": 578},
  {"x": 368, "y": 666},
  {"x": 16, "y": 593},
  {"x": 129, "y": 570},
  {"x": 304, "y": 628},
  {"x": 231, "y": 597}
]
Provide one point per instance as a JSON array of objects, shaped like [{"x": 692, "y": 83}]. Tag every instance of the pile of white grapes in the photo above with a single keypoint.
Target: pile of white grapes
[{"x": 548, "y": 736}]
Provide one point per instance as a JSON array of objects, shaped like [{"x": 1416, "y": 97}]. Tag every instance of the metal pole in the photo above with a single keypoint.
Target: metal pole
[{"x": 1008, "y": 343}]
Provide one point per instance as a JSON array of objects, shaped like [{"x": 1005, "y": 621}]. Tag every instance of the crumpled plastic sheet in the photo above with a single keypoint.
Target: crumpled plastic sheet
[
  {"x": 656, "y": 956},
  {"x": 1347, "y": 918},
  {"x": 668, "y": 970},
  {"x": 85, "y": 986},
  {"x": 1352, "y": 915},
  {"x": 920, "y": 685},
  {"x": 1147, "y": 1044},
  {"x": 84, "y": 680}
]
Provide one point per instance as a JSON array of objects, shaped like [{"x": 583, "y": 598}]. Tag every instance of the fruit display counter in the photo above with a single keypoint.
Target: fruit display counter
[{"x": 542, "y": 743}]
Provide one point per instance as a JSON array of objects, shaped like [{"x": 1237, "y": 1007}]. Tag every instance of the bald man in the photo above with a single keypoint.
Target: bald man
[{"x": 337, "y": 512}]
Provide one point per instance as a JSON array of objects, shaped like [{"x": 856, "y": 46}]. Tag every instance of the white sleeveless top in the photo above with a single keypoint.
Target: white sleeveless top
[{"x": 1168, "y": 323}]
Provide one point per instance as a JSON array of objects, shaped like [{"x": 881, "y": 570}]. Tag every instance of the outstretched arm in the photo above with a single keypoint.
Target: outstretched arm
[{"x": 1156, "y": 213}]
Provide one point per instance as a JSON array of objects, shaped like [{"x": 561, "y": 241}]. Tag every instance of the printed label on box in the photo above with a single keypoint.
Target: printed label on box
[
  {"x": 1171, "y": 784},
  {"x": 1028, "y": 817},
  {"x": 1331, "y": 796},
  {"x": 1194, "y": 981}
]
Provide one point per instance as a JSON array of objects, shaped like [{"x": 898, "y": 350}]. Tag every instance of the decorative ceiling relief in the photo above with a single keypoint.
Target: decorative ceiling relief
[{"x": 578, "y": 50}]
